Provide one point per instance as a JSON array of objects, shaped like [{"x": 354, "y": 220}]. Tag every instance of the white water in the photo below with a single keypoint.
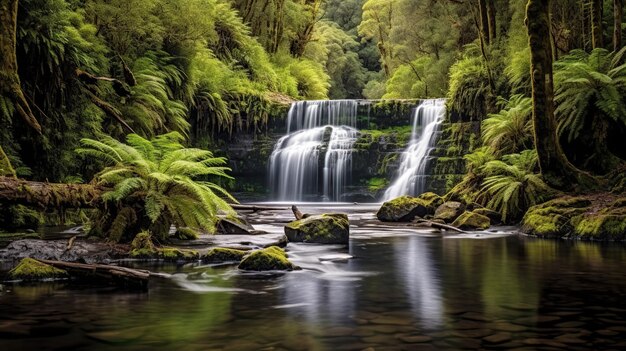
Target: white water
[
  {"x": 315, "y": 128},
  {"x": 412, "y": 171}
]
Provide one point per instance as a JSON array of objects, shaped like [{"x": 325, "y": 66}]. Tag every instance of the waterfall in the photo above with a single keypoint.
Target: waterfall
[
  {"x": 320, "y": 137},
  {"x": 412, "y": 171}
]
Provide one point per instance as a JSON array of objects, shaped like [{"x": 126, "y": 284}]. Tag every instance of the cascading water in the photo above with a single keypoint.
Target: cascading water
[
  {"x": 320, "y": 137},
  {"x": 412, "y": 171}
]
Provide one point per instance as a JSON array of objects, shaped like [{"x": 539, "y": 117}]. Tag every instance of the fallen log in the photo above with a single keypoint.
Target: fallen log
[
  {"x": 43, "y": 194},
  {"x": 122, "y": 276},
  {"x": 427, "y": 223},
  {"x": 255, "y": 208}
]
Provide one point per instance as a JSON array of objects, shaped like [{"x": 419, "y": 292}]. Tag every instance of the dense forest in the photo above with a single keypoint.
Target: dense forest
[{"x": 547, "y": 80}]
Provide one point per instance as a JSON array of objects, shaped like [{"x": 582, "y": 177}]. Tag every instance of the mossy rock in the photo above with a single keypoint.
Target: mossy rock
[
  {"x": 142, "y": 246},
  {"x": 472, "y": 221},
  {"x": 552, "y": 219},
  {"x": 30, "y": 269},
  {"x": 432, "y": 201},
  {"x": 222, "y": 254},
  {"x": 607, "y": 224},
  {"x": 272, "y": 258},
  {"x": 174, "y": 254},
  {"x": 233, "y": 225},
  {"x": 449, "y": 211},
  {"x": 402, "y": 209},
  {"x": 321, "y": 229},
  {"x": 186, "y": 234},
  {"x": 494, "y": 216}
]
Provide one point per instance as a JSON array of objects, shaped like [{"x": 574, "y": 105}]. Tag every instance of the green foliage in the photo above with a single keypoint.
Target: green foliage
[
  {"x": 469, "y": 85},
  {"x": 154, "y": 184},
  {"x": 512, "y": 186},
  {"x": 509, "y": 130},
  {"x": 588, "y": 86}
]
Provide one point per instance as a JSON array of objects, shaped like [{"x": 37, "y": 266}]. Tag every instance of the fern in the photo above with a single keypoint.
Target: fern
[
  {"x": 167, "y": 182},
  {"x": 509, "y": 130}
]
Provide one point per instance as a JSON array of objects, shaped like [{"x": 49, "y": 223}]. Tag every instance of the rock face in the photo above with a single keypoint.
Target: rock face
[
  {"x": 29, "y": 269},
  {"x": 471, "y": 221},
  {"x": 402, "y": 209},
  {"x": 269, "y": 259},
  {"x": 322, "y": 229},
  {"x": 449, "y": 211}
]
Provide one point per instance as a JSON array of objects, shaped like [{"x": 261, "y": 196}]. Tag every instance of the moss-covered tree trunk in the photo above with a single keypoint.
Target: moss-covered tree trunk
[
  {"x": 10, "y": 87},
  {"x": 596, "y": 24},
  {"x": 491, "y": 19},
  {"x": 555, "y": 168},
  {"x": 617, "y": 24},
  {"x": 484, "y": 21}
]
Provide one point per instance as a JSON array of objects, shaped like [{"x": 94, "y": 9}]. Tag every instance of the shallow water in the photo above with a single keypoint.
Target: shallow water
[{"x": 394, "y": 288}]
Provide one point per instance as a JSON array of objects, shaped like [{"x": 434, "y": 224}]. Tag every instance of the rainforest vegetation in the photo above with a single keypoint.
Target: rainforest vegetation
[{"x": 127, "y": 93}]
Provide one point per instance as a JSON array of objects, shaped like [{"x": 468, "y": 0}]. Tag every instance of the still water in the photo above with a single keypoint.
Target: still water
[{"x": 394, "y": 288}]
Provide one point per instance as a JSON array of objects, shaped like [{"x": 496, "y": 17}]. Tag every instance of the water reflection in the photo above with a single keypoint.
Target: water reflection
[{"x": 415, "y": 266}]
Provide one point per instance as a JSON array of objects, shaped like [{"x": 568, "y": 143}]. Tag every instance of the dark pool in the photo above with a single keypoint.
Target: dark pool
[{"x": 401, "y": 289}]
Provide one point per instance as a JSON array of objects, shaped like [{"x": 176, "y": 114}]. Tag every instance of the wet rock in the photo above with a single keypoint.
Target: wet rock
[
  {"x": 269, "y": 259},
  {"x": 142, "y": 246},
  {"x": 552, "y": 218},
  {"x": 221, "y": 254},
  {"x": 449, "y": 211},
  {"x": 402, "y": 209},
  {"x": 507, "y": 327},
  {"x": 233, "y": 225},
  {"x": 186, "y": 234},
  {"x": 322, "y": 229},
  {"x": 82, "y": 250},
  {"x": 432, "y": 201},
  {"x": 494, "y": 217},
  {"x": 30, "y": 269},
  {"x": 391, "y": 321},
  {"x": 416, "y": 339},
  {"x": 175, "y": 254},
  {"x": 471, "y": 221}
]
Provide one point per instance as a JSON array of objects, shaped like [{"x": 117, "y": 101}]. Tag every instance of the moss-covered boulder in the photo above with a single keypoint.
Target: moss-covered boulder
[
  {"x": 402, "y": 209},
  {"x": 321, "y": 229},
  {"x": 233, "y": 225},
  {"x": 494, "y": 216},
  {"x": 606, "y": 224},
  {"x": 142, "y": 246},
  {"x": 449, "y": 211},
  {"x": 185, "y": 233},
  {"x": 272, "y": 258},
  {"x": 552, "y": 219},
  {"x": 471, "y": 221},
  {"x": 175, "y": 254},
  {"x": 30, "y": 269},
  {"x": 221, "y": 254},
  {"x": 432, "y": 201}
]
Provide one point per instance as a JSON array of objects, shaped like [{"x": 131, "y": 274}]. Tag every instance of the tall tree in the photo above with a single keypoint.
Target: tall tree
[
  {"x": 555, "y": 168},
  {"x": 617, "y": 24},
  {"x": 10, "y": 86},
  {"x": 484, "y": 21},
  {"x": 596, "y": 24},
  {"x": 491, "y": 19}
]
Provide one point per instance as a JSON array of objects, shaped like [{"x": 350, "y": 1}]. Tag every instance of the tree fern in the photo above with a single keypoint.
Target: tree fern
[
  {"x": 159, "y": 180},
  {"x": 509, "y": 130}
]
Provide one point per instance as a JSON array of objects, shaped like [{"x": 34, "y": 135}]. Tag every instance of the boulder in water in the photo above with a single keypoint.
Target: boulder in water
[
  {"x": 321, "y": 229},
  {"x": 222, "y": 254},
  {"x": 449, "y": 211},
  {"x": 494, "y": 216},
  {"x": 269, "y": 259},
  {"x": 432, "y": 201},
  {"x": 233, "y": 225},
  {"x": 472, "y": 221},
  {"x": 402, "y": 209},
  {"x": 30, "y": 269}
]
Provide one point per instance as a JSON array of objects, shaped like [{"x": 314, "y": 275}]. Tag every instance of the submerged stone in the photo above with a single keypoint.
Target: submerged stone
[
  {"x": 30, "y": 269},
  {"x": 402, "y": 209},
  {"x": 449, "y": 211},
  {"x": 269, "y": 259},
  {"x": 321, "y": 229},
  {"x": 221, "y": 254},
  {"x": 471, "y": 220}
]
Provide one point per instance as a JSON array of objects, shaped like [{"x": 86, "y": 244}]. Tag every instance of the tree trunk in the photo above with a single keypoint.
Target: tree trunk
[
  {"x": 557, "y": 171},
  {"x": 484, "y": 21},
  {"x": 10, "y": 86},
  {"x": 40, "y": 194},
  {"x": 491, "y": 19},
  {"x": 596, "y": 24},
  {"x": 617, "y": 25}
]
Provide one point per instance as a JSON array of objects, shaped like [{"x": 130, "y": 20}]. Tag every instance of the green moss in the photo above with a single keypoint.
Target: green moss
[
  {"x": 30, "y": 269},
  {"x": 142, "y": 246},
  {"x": 325, "y": 228},
  {"x": 221, "y": 254},
  {"x": 185, "y": 233},
  {"x": 552, "y": 218},
  {"x": 431, "y": 201},
  {"x": 600, "y": 226},
  {"x": 268, "y": 259},
  {"x": 375, "y": 184},
  {"x": 402, "y": 209},
  {"x": 174, "y": 254},
  {"x": 470, "y": 220}
]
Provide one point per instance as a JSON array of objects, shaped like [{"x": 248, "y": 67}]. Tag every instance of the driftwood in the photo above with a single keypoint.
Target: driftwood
[
  {"x": 427, "y": 223},
  {"x": 70, "y": 243},
  {"x": 296, "y": 212},
  {"x": 122, "y": 276},
  {"x": 255, "y": 208}
]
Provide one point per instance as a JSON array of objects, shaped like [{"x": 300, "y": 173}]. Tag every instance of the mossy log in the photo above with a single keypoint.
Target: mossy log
[
  {"x": 123, "y": 276},
  {"x": 42, "y": 194}
]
